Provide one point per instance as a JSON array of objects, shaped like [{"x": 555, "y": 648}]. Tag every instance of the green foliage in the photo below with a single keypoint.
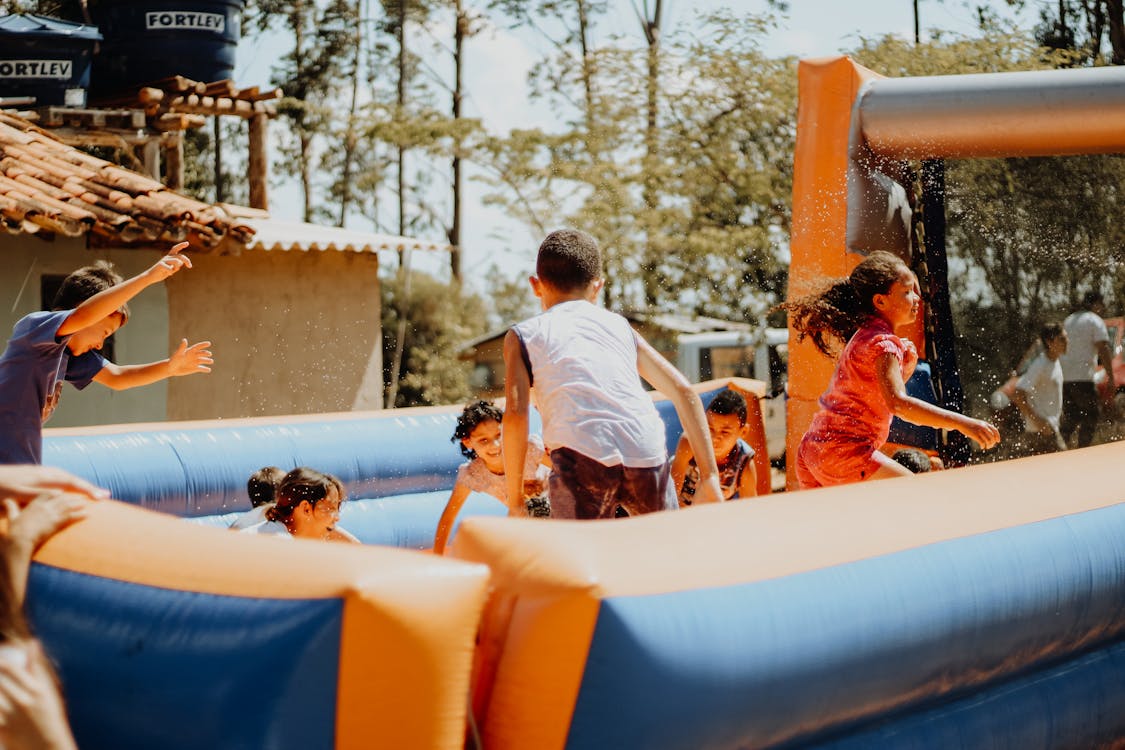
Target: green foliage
[
  {"x": 1026, "y": 238},
  {"x": 692, "y": 214},
  {"x": 440, "y": 317}
]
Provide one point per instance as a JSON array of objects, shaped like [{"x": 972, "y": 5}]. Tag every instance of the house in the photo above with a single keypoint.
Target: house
[{"x": 292, "y": 309}]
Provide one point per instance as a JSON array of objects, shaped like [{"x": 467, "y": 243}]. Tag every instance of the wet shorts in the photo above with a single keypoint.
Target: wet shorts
[
  {"x": 823, "y": 462},
  {"x": 581, "y": 487}
]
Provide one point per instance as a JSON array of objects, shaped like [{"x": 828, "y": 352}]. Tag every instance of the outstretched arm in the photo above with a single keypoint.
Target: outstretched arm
[
  {"x": 680, "y": 464},
  {"x": 668, "y": 380},
  {"x": 448, "y": 516},
  {"x": 109, "y": 300},
  {"x": 517, "y": 397},
  {"x": 920, "y": 412},
  {"x": 186, "y": 360}
]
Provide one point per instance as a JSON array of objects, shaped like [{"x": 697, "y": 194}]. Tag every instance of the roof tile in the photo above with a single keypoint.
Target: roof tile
[{"x": 46, "y": 185}]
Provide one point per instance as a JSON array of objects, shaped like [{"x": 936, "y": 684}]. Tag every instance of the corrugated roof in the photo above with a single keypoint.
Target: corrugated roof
[
  {"x": 281, "y": 235},
  {"x": 30, "y": 25},
  {"x": 48, "y": 186}
]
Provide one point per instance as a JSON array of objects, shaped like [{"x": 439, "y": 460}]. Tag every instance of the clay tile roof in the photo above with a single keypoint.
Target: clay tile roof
[{"x": 48, "y": 186}]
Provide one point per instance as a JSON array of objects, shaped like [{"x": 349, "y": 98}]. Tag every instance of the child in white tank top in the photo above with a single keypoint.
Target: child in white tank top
[{"x": 605, "y": 439}]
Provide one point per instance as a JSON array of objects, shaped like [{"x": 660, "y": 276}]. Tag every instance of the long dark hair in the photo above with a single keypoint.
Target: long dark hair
[
  {"x": 299, "y": 485},
  {"x": 833, "y": 314}
]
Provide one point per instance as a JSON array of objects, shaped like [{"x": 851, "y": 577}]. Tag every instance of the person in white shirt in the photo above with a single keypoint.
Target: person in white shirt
[
  {"x": 1039, "y": 394},
  {"x": 261, "y": 488},
  {"x": 585, "y": 364},
  {"x": 1089, "y": 344}
]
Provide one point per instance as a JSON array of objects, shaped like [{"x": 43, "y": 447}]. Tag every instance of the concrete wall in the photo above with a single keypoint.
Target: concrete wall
[
  {"x": 26, "y": 259},
  {"x": 292, "y": 333}
]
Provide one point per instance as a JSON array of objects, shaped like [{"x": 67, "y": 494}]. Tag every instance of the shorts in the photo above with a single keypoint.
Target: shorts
[
  {"x": 824, "y": 461},
  {"x": 583, "y": 488}
]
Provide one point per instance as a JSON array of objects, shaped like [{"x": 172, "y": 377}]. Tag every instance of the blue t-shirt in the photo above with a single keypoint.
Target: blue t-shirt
[{"x": 32, "y": 369}]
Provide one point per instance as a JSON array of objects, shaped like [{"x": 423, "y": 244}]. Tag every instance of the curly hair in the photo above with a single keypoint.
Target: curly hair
[
  {"x": 833, "y": 314},
  {"x": 472, "y": 415}
]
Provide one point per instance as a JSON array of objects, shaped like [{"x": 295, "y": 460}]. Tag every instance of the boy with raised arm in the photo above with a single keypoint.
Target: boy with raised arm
[
  {"x": 49, "y": 347},
  {"x": 605, "y": 438}
]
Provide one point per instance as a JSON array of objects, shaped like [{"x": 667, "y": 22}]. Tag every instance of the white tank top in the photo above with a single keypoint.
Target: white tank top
[{"x": 583, "y": 365}]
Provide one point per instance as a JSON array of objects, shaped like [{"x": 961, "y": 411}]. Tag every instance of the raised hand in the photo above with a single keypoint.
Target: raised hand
[
  {"x": 170, "y": 263},
  {"x": 188, "y": 360},
  {"x": 31, "y": 709}
]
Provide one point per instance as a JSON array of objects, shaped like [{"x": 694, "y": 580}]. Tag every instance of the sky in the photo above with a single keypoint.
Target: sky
[{"x": 498, "y": 60}]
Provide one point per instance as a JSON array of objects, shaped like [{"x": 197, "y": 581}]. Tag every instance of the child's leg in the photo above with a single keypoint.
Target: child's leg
[
  {"x": 647, "y": 491},
  {"x": 887, "y": 468},
  {"x": 581, "y": 487}
]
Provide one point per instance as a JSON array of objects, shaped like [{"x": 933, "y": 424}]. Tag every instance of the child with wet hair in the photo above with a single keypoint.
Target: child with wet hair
[
  {"x": 478, "y": 435},
  {"x": 47, "y": 348},
  {"x": 585, "y": 364},
  {"x": 261, "y": 487},
  {"x": 867, "y": 388},
  {"x": 307, "y": 505},
  {"x": 726, "y": 418}
]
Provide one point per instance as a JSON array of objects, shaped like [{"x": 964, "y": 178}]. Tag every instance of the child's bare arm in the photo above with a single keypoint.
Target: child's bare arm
[
  {"x": 186, "y": 360},
  {"x": 110, "y": 300},
  {"x": 668, "y": 380},
  {"x": 920, "y": 412},
  {"x": 680, "y": 464},
  {"x": 448, "y": 516},
  {"x": 748, "y": 483},
  {"x": 517, "y": 396}
]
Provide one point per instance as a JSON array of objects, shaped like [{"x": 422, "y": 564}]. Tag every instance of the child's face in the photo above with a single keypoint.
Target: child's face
[
  {"x": 899, "y": 306},
  {"x": 725, "y": 430},
  {"x": 315, "y": 521},
  {"x": 1056, "y": 347},
  {"x": 484, "y": 440},
  {"x": 92, "y": 337}
]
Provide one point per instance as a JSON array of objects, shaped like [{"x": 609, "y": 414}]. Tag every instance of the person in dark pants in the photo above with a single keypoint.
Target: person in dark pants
[{"x": 1088, "y": 345}]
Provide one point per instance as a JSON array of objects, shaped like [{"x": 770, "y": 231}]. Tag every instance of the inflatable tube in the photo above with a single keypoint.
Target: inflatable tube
[
  {"x": 407, "y": 521},
  {"x": 172, "y": 635},
  {"x": 200, "y": 468},
  {"x": 814, "y": 616}
]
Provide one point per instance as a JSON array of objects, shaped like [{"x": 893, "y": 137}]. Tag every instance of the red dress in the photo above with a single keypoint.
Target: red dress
[{"x": 854, "y": 418}]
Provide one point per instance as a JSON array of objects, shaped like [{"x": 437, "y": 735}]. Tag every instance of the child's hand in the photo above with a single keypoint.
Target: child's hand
[
  {"x": 170, "y": 263},
  {"x": 42, "y": 517},
  {"x": 24, "y": 483},
  {"x": 708, "y": 491},
  {"x": 31, "y": 709},
  {"x": 984, "y": 433},
  {"x": 188, "y": 360}
]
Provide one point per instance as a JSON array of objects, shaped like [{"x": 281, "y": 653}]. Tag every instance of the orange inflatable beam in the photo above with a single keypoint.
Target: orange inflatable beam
[{"x": 408, "y": 625}]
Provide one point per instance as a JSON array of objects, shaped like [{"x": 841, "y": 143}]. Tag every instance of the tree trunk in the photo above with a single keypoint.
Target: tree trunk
[
  {"x": 349, "y": 133},
  {"x": 404, "y": 259},
  {"x": 460, "y": 29},
  {"x": 1115, "y": 18},
  {"x": 649, "y": 192}
]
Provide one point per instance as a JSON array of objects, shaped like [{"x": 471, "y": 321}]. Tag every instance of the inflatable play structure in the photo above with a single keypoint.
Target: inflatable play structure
[
  {"x": 977, "y": 608},
  {"x": 855, "y": 131}
]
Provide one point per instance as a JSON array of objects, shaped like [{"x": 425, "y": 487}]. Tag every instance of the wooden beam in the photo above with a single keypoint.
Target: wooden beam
[
  {"x": 258, "y": 165},
  {"x": 151, "y": 151},
  {"x": 174, "y": 162}
]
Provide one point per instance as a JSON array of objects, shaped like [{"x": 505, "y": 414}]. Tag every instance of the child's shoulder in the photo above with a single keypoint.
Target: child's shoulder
[{"x": 40, "y": 326}]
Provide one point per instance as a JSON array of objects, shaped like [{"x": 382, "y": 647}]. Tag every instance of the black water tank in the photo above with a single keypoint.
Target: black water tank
[
  {"x": 45, "y": 58},
  {"x": 147, "y": 40}
]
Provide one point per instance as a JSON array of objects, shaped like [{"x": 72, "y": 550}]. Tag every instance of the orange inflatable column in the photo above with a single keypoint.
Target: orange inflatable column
[{"x": 827, "y": 88}]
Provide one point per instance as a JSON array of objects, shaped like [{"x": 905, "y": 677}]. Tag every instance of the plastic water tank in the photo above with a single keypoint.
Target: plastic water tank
[
  {"x": 45, "y": 58},
  {"x": 147, "y": 40}
]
